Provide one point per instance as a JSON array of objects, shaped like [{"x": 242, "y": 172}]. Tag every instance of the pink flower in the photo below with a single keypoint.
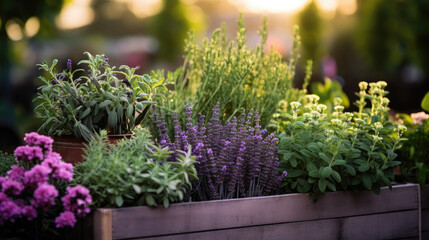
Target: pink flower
[
  {"x": 29, "y": 212},
  {"x": 44, "y": 196},
  {"x": 66, "y": 218},
  {"x": 28, "y": 153},
  {"x": 16, "y": 173},
  {"x": 38, "y": 174},
  {"x": 60, "y": 170},
  {"x": 12, "y": 187},
  {"x": 9, "y": 210},
  {"x": 419, "y": 117},
  {"x": 35, "y": 139},
  {"x": 54, "y": 155},
  {"x": 77, "y": 200}
]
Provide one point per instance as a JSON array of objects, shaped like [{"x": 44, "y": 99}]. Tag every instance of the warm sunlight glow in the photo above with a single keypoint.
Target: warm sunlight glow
[
  {"x": 347, "y": 7},
  {"x": 32, "y": 26},
  {"x": 144, "y": 8},
  {"x": 270, "y": 6},
  {"x": 13, "y": 30},
  {"x": 328, "y": 5},
  {"x": 77, "y": 13}
]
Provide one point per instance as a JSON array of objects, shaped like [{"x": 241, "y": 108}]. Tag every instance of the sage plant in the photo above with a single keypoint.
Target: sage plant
[{"x": 235, "y": 159}]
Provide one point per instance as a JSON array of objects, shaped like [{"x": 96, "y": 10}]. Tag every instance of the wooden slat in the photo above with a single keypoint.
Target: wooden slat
[
  {"x": 425, "y": 196},
  {"x": 397, "y": 225},
  {"x": 425, "y": 220},
  {"x": 202, "y": 216},
  {"x": 103, "y": 224}
]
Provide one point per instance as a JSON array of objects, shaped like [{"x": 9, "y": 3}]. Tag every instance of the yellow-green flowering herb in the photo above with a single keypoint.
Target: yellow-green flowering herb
[{"x": 341, "y": 150}]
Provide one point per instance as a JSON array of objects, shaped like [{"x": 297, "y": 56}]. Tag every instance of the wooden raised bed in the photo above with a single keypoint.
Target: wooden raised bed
[
  {"x": 340, "y": 215},
  {"x": 425, "y": 211}
]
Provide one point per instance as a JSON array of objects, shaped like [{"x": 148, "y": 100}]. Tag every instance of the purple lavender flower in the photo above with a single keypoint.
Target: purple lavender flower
[
  {"x": 54, "y": 82},
  {"x": 69, "y": 65},
  {"x": 12, "y": 187},
  {"x": 29, "y": 212},
  {"x": 28, "y": 153},
  {"x": 66, "y": 218},
  {"x": 77, "y": 200},
  {"x": 129, "y": 93},
  {"x": 44, "y": 196},
  {"x": 106, "y": 59},
  {"x": 35, "y": 139}
]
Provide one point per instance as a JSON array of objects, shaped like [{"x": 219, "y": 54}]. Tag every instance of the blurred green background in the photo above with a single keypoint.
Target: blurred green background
[{"x": 348, "y": 40}]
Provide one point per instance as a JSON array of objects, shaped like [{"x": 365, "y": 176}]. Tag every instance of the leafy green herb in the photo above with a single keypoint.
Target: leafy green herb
[
  {"x": 131, "y": 173},
  {"x": 6, "y": 162},
  {"x": 97, "y": 100},
  {"x": 339, "y": 151}
]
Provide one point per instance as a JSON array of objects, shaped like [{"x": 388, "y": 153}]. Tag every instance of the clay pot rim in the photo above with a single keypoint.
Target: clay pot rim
[{"x": 110, "y": 136}]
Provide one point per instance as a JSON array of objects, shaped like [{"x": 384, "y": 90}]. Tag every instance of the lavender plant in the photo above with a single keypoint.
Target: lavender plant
[
  {"x": 339, "y": 151},
  {"x": 226, "y": 71},
  {"x": 234, "y": 160},
  {"x": 98, "y": 100}
]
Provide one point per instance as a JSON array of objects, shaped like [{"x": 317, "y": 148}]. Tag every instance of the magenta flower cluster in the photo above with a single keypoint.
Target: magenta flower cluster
[
  {"x": 235, "y": 159},
  {"x": 29, "y": 188}
]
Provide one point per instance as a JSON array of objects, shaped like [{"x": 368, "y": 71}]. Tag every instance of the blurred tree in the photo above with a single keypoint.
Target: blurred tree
[
  {"x": 386, "y": 33},
  {"x": 311, "y": 29},
  {"x": 169, "y": 27},
  {"x": 17, "y": 13}
]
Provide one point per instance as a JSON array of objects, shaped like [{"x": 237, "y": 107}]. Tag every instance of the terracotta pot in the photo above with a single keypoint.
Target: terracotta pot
[{"x": 71, "y": 148}]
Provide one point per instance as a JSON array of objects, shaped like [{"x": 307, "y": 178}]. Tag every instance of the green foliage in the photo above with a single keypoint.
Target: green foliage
[
  {"x": 390, "y": 33},
  {"x": 425, "y": 102},
  {"x": 220, "y": 70},
  {"x": 339, "y": 151},
  {"x": 311, "y": 31},
  {"x": 328, "y": 92},
  {"x": 6, "y": 162},
  {"x": 413, "y": 154},
  {"x": 130, "y": 173},
  {"x": 98, "y": 100}
]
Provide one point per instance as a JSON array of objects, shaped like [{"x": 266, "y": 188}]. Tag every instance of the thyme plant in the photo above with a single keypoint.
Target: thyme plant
[
  {"x": 339, "y": 151},
  {"x": 134, "y": 172},
  {"x": 96, "y": 99},
  {"x": 227, "y": 71}
]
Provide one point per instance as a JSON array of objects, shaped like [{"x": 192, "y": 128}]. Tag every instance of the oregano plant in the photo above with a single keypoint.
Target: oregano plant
[{"x": 340, "y": 151}]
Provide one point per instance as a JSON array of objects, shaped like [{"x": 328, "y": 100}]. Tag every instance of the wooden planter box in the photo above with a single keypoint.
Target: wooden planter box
[
  {"x": 341, "y": 215},
  {"x": 425, "y": 211}
]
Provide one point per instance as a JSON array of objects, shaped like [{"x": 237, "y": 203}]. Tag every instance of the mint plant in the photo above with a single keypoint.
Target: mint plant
[
  {"x": 227, "y": 71},
  {"x": 339, "y": 151},
  {"x": 84, "y": 101},
  {"x": 134, "y": 172}
]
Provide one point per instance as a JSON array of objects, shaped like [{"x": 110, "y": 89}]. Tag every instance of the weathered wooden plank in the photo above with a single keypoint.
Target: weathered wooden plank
[
  {"x": 425, "y": 220},
  {"x": 425, "y": 196},
  {"x": 202, "y": 216},
  {"x": 103, "y": 224},
  {"x": 396, "y": 225}
]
